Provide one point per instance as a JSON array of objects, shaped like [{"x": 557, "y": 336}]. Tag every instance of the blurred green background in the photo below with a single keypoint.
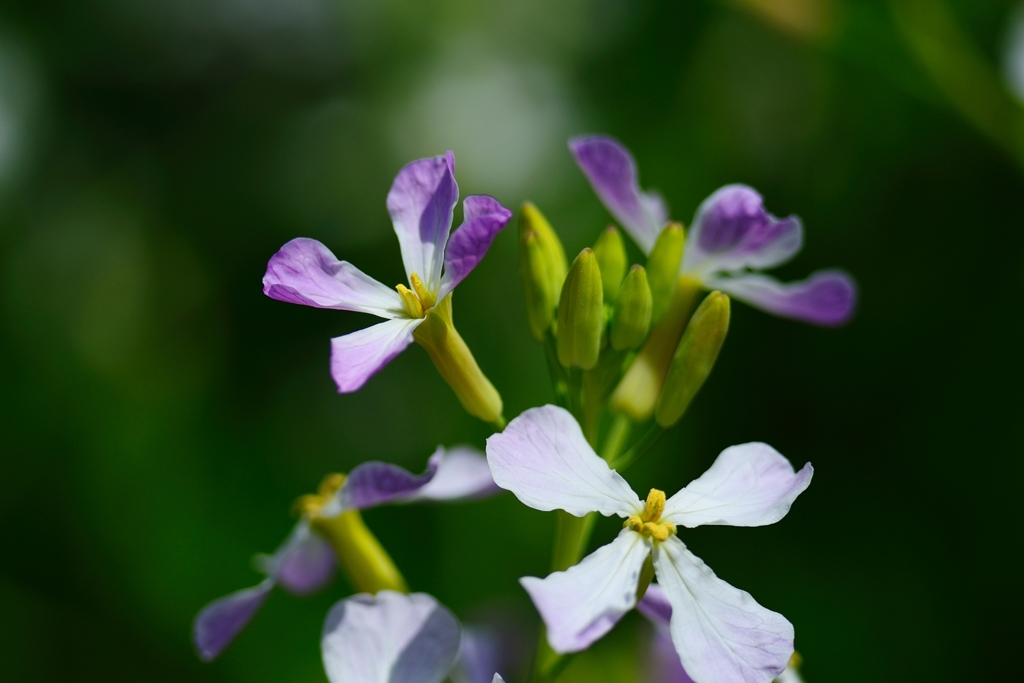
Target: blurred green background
[{"x": 158, "y": 414}]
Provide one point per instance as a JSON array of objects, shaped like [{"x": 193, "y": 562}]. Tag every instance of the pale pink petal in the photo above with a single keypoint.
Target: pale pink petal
[
  {"x": 358, "y": 356},
  {"x": 544, "y": 460},
  {"x": 389, "y": 638},
  {"x": 748, "y": 485},
  {"x": 462, "y": 474},
  {"x": 584, "y": 602},
  {"x": 720, "y": 632},
  {"x": 484, "y": 218}
]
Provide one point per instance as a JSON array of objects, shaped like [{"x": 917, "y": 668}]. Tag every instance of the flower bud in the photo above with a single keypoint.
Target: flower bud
[
  {"x": 455, "y": 362},
  {"x": 632, "y": 317},
  {"x": 581, "y": 313},
  {"x": 663, "y": 268},
  {"x": 638, "y": 390},
  {"x": 694, "y": 358},
  {"x": 611, "y": 258},
  {"x": 543, "y": 267}
]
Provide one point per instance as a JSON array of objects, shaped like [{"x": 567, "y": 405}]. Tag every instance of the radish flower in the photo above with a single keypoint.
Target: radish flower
[
  {"x": 731, "y": 240},
  {"x": 720, "y": 632}
]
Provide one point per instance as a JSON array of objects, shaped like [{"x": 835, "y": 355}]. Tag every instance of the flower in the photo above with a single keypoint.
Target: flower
[
  {"x": 720, "y": 632},
  {"x": 663, "y": 665},
  {"x": 731, "y": 239},
  {"x": 305, "y": 562},
  {"x": 390, "y": 637},
  {"x": 421, "y": 202}
]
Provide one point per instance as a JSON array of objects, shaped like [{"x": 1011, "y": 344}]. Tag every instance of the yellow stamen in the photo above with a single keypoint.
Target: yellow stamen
[
  {"x": 309, "y": 505},
  {"x": 649, "y": 524},
  {"x": 411, "y": 302},
  {"x": 427, "y": 298}
]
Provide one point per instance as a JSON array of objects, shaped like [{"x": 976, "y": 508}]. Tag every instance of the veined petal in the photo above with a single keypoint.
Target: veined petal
[
  {"x": 222, "y": 620},
  {"x": 305, "y": 272},
  {"x": 612, "y": 173},
  {"x": 544, "y": 460},
  {"x": 389, "y": 638},
  {"x": 421, "y": 202},
  {"x": 303, "y": 564},
  {"x": 720, "y": 632},
  {"x": 356, "y": 357},
  {"x": 584, "y": 602},
  {"x": 376, "y": 483},
  {"x": 732, "y": 231},
  {"x": 827, "y": 297},
  {"x": 483, "y": 219},
  {"x": 462, "y": 474},
  {"x": 748, "y": 485}
]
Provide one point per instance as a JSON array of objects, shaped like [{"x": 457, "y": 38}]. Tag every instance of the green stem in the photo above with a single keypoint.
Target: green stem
[
  {"x": 616, "y": 438},
  {"x": 639, "y": 449}
]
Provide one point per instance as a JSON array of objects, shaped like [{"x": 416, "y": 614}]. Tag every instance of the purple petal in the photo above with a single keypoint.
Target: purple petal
[
  {"x": 826, "y": 298},
  {"x": 612, "y": 173},
  {"x": 484, "y": 218},
  {"x": 479, "y": 656},
  {"x": 748, "y": 485},
  {"x": 732, "y": 231},
  {"x": 356, "y": 357},
  {"x": 376, "y": 483},
  {"x": 305, "y": 564},
  {"x": 306, "y": 272},
  {"x": 421, "y": 202},
  {"x": 544, "y": 460},
  {"x": 462, "y": 474},
  {"x": 720, "y": 632},
  {"x": 655, "y": 606},
  {"x": 222, "y": 620},
  {"x": 389, "y": 638},
  {"x": 584, "y": 602}
]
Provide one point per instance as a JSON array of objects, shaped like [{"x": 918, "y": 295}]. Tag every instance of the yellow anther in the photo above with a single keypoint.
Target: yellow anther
[
  {"x": 648, "y": 524},
  {"x": 427, "y": 298},
  {"x": 309, "y": 505},
  {"x": 655, "y": 505},
  {"x": 411, "y": 302},
  {"x": 795, "y": 661}
]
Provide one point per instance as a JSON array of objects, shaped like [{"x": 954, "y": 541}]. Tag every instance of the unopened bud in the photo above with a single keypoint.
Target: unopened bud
[
  {"x": 663, "y": 268},
  {"x": 580, "y": 313},
  {"x": 694, "y": 358},
  {"x": 632, "y": 318},
  {"x": 638, "y": 390},
  {"x": 611, "y": 258},
  {"x": 543, "y": 266},
  {"x": 455, "y": 362}
]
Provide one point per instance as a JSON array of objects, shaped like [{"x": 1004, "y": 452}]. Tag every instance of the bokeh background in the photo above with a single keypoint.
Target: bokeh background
[{"x": 158, "y": 414}]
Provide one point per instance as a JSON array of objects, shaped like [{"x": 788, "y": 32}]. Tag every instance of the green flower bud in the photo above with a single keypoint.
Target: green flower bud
[
  {"x": 694, "y": 358},
  {"x": 632, "y": 316},
  {"x": 638, "y": 390},
  {"x": 663, "y": 268},
  {"x": 611, "y": 258},
  {"x": 543, "y": 267},
  {"x": 581, "y": 313}
]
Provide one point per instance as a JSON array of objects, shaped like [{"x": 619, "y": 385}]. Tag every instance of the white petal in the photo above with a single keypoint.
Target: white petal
[
  {"x": 389, "y": 638},
  {"x": 497, "y": 679},
  {"x": 544, "y": 460},
  {"x": 748, "y": 485},
  {"x": 462, "y": 473},
  {"x": 720, "y": 632},
  {"x": 584, "y": 602}
]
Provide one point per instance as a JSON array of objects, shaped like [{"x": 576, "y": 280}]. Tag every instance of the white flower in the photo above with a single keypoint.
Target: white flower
[{"x": 720, "y": 632}]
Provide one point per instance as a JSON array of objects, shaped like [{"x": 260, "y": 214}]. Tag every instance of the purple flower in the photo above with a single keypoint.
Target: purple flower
[
  {"x": 732, "y": 237},
  {"x": 421, "y": 202},
  {"x": 719, "y": 632},
  {"x": 663, "y": 664},
  {"x": 305, "y": 562},
  {"x": 390, "y": 638}
]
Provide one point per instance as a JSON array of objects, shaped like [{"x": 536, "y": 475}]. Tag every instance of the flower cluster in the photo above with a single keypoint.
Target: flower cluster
[{"x": 628, "y": 347}]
